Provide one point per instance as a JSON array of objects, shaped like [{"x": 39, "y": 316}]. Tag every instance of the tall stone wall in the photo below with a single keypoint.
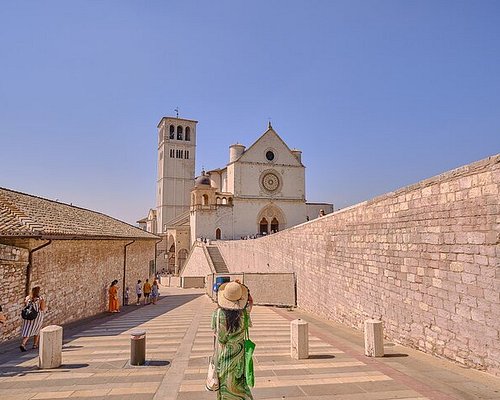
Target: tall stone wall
[
  {"x": 74, "y": 276},
  {"x": 424, "y": 259},
  {"x": 13, "y": 262}
]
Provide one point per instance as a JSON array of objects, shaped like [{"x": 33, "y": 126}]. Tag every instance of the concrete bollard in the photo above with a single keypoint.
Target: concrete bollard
[
  {"x": 299, "y": 339},
  {"x": 374, "y": 338},
  {"x": 138, "y": 348},
  {"x": 50, "y": 354}
]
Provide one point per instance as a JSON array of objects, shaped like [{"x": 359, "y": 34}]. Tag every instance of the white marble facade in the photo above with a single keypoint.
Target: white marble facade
[{"x": 260, "y": 191}]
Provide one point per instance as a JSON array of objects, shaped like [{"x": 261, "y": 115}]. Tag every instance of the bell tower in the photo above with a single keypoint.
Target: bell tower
[{"x": 176, "y": 163}]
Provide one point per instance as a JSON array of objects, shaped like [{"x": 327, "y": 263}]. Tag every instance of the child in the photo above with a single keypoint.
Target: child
[{"x": 127, "y": 294}]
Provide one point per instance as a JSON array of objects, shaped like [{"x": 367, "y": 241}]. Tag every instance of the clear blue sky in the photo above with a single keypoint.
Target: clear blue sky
[{"x": 377, "y": 94}]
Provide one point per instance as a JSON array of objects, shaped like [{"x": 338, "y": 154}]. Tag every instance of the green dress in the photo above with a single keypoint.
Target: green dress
[{"x": 232, "y": 382}]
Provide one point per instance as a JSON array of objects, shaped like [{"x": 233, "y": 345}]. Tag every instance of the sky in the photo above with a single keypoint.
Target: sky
[{"x": 377, "y": 94}]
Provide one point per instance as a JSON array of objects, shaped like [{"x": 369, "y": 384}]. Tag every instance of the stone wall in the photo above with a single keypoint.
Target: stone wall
[
  {"x": 197, "y": 263},
  {"x": 74, "y": 276},
  {"x": 13, "y": 263},
  {"x": 425, "y": 259}
]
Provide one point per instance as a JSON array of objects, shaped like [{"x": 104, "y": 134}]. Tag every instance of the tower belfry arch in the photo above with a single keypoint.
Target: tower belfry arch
[
  {"x": 175, "y": 179},
  {"x": 176, "y": 163}
]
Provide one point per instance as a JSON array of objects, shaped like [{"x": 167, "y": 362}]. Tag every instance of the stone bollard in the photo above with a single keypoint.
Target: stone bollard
[
  {"x": 299, "y": 339},
  {"x": 51, "y": 339},
  {"x": 138, "y": 348},
  {"x": 374, "y": 338}
]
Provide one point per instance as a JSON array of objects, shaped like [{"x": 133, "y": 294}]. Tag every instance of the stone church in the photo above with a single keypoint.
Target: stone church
[{"x": 261, "y": 190}]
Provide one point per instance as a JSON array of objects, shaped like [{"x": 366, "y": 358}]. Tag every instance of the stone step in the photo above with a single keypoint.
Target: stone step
[{"x": 217, "y": 260}]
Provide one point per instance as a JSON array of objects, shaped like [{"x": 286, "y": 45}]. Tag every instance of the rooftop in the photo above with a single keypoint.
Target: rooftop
[{"x": 24, "y": 215}]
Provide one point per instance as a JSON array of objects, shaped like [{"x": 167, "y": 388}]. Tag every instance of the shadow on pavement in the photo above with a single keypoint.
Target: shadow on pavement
[
  {"x": 15, "y": 370},
  {"x": 395, "y": 355},
  {"x": 130, "y": 317},
  {"x": 321, "y": 356}
]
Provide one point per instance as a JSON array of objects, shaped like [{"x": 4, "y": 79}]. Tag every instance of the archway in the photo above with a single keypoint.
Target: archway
[
  {"x": 263, "y": 226},
  {"x": 218, "y": 233},
  {"x": 271, "y": 216},
  {"x": 275, "y": 225},
  {"x": 171, "y": 259}
]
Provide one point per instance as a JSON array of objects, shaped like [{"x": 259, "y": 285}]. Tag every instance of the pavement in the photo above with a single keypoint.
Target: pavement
[{"x": 96, "y": 360}]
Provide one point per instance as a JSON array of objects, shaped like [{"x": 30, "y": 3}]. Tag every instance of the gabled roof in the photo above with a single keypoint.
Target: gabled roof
[
  {"x": 269, "y": 131},
  {"x": 181, "y": 219},
  {"x": 24, "y": 215}
]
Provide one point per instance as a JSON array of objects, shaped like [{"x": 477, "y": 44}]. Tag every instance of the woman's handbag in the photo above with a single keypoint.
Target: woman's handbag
[
  {"x": 249, "y": 349},
  {"x": 29, "y": 312},
  {"x": 212, "y": 383}
]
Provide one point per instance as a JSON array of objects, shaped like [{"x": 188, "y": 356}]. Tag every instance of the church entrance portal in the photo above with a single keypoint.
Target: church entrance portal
[{"x": 263, "y": 227}]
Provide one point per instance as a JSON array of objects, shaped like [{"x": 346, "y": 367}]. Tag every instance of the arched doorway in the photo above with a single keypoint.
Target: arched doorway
[
  {"x": 263, "y": 226},
  {"x": 171, "y": 259},
  {"x": 271, "y": 219},
  {"x": 275, "y": 225},
  {"x": 218, "y": 233}
]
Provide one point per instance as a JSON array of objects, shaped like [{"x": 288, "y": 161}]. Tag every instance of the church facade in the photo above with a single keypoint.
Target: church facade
[{"x": 260, "y": 191}]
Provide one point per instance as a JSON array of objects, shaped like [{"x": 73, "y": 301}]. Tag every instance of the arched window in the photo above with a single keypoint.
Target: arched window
[
  {"x": 217, "y": 233},
  {"x": 218, "y": 200},
  {"x": 263, "y": 226},
  {"x": 275, "y": 225},
  {"x": 188, "y": 133},
  {"x": 230, "y": 201},
  {"x": 205, "y": 199},
  {"x": 179, "y": 133},
  {"x": 172, "y": 132},
  {"x": 224, "y": 200}
]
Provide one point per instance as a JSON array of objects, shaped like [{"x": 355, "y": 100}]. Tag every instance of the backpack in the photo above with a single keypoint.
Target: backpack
[{"x": 29, "y": 312}]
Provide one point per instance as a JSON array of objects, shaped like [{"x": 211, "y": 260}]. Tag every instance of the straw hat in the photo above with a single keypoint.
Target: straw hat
[{"x": 232, "y": 296}]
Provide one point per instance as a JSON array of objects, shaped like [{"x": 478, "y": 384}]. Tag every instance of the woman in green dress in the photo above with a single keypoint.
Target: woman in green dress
[{"x": 235, "y": 304}]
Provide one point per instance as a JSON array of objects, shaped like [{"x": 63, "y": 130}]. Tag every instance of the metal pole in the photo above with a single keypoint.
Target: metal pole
[{"x": 125, "y": 269}]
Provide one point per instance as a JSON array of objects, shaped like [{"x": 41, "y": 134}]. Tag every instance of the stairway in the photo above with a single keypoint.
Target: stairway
[{"x": 217, "y": 260}]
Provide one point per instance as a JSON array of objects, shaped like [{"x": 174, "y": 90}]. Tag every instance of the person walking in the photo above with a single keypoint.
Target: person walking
[
  {"x": 114, "y": 305},
  {"x": 147, "y": 291},
  {"x": 138, "y": 292},
  {"x": 233, "y": 314},
  {"x": 32, "y": 327},
  {"x": 155, "y": 292}
]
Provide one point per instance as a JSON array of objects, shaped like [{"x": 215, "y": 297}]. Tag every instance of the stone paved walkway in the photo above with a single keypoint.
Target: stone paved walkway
[{"x": 95, "y": 361}]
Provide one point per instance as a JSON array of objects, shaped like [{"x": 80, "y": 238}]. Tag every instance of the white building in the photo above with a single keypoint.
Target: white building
[{"x": 260, "y": 191}]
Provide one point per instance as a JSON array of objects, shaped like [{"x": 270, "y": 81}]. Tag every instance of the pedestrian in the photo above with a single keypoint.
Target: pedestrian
[
  {"x": 155, "y": 292},
  {"x": 114, "y": 305},
  {"x": 127, "y": 296},
  {"x": 147, "y": 291},
  {"x": 233, "y": 314},
  {"x": 138, "y": 292},
  {"x": 32, "y": 327},
  {"x": 321, "y": 213}
]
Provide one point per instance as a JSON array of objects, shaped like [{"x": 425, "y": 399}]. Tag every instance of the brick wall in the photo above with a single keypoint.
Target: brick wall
[
  {"x": 424, "y": 259},
  {"x": 13, "y": 263},
  {"x": 74, "y": 276}
]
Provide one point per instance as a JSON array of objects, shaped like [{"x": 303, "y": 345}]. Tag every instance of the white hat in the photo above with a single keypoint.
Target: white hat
[{"x": 232, "y": 296}]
